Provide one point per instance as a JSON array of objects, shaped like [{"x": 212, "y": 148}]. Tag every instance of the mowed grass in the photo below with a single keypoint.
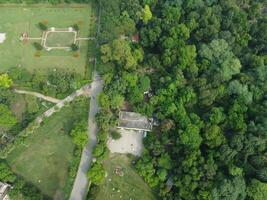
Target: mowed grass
[
  {"x": 60, "y": 39},
  {"x": 45, "y": 156},
  {"x": 16, "y": 19},
  {"x": 126, "y": 187}
]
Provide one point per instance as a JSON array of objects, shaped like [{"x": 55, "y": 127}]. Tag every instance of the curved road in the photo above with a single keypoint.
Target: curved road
[{"x": 80, "y": 186}]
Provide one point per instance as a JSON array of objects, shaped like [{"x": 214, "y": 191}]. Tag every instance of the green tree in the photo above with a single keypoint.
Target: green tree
[
  {"x": 213, "y": 136},
  {"x": 146, "y": 14},
  {"x": 6, "y": 175},
  {"x": 256, "y": 190},
  {"x": 42, "y": 26},
  {"x": 115, "y": 135},
  {"x": 7, "y": 118},
  {"x": 222, "y": 60},
  {"x": 119, "y": 51},
  {"x": 96, "y": 174},
  {"x": 74, "y": 47},
  {"x": 230, "y": 189},
  {"x": 80, "y": 134},
  {"x": 191, "y": 137},
  {"x": 5, "y": 81},
  {"x": 217, "y": 115}
]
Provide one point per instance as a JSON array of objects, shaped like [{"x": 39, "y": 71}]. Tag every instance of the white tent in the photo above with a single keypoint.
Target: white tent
[{"x": 2, "y": 37}]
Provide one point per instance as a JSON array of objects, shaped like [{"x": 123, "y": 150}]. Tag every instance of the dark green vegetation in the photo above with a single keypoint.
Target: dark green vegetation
[
  {"x": 125, "y": 184},
  {"x": 205, "y": 64},
  {"x": 115, "y": 135}
]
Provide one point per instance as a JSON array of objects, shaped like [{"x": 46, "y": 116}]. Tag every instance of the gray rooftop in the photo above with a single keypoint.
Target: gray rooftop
[{"x": 134, "y": 121}]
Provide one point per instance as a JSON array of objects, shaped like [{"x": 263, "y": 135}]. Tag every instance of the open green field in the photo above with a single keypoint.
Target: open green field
[
  {"x": 46, "y": 154},
  {"x": 16, "y": 19},
  {"x": 60, "y": 39},
  {"x": 130, "y": 185}
]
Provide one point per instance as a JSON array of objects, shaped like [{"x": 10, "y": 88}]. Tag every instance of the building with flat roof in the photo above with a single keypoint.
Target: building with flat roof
[
  {"x": 134, "y": 121},
  {"x": 4, "y": 187}
]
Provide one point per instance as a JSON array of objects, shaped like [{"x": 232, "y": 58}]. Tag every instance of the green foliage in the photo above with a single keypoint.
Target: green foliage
[
  {"x": 76, "y": 27},
  {"x": 256, "y": 190},
  {"x": 74, "y": 47},
  {"x": 80, "y": 134},
  {"x": 6, "y": 175},
  {"x": 42, "y": 26},
  {"x": 115, "y": 135},
  {"x": 38, "y": 46},
  {"x": 5, "y": 81},
  {"x": 119, "y": 51},
  {"x": 230, "y": 189},
  {"x": 32, "y": 104},
  {"x": 217, "y": 115},
  {"x": 146, "y": 14},
  {"x": 223, "y": 62},
  {"x": 96, "y": 174},
  {"x": 213, "y": 136},
  {"x": 204, "y": 63},
  {"x": 191, "y": 137},
  {"x": 7, "y": 118}
]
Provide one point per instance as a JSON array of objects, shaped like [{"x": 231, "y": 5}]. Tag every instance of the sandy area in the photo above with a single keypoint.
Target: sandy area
[{"x": 130, "y": 142}]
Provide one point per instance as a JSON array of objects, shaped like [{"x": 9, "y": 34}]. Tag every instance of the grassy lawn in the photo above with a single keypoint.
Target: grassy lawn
[
  {"x": 60, "y": 39},
  {"x": 16, "y": 19},
  {"x": 130, "y": 185},
  {"x": 46, "y": 154},
  {"x": 18, "y": 106}
]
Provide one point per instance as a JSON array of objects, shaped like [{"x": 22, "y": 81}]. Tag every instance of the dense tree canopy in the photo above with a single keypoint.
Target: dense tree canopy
[{"x": 205, "y": 67}]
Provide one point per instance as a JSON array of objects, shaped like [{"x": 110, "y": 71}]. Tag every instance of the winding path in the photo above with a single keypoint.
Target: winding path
[
  {"x": 85, "y": 90},
  {"x": 39, "y": 95},
  {"x": 80, "y": 186}
]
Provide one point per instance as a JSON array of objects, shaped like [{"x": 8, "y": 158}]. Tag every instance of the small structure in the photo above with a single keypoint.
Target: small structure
[
  {"x": 169, "y": 183},
  {"x": 134, "y": 121},
  {"x": 24, "y": 37},
  {"x": 4, "y": 187},
  {"x": 135, "y": 38},
  {"x": 2, "y": 37}
]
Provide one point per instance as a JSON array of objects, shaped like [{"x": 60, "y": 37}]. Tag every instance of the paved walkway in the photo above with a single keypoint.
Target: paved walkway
[
  {"x": 39, "y": 95},
  {"x": 80, "y": 186}
]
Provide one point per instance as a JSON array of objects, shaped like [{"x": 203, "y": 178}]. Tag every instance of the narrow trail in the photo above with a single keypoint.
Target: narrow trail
[
  {"x": 85, "y": 90},
  {"x": 39, "y": 95}
]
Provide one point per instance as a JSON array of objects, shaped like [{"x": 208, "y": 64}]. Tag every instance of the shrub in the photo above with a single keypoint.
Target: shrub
[
  {"x": 37, "y": 54},
  {"x": 45, "y": 22},
  {"x": 74, "y": 47},
  {"x": 76, "y": 55},
  {"x": 38, "y": 46},
  {"x": 115, "y": 135},
  {"x": 80, "y": 22},
  {"x": 76, "y": 27},
  {"x": 42, "y": 26}
]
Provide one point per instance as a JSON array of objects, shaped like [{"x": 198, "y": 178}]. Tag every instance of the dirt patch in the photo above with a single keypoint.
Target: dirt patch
[{"x": 130, "y": 142}]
